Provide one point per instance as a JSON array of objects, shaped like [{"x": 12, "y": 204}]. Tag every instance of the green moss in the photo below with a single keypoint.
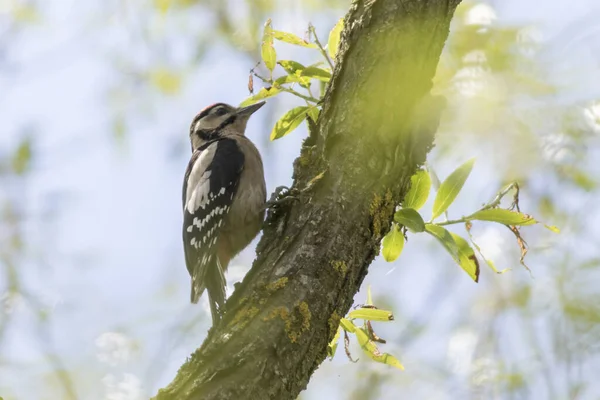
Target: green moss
[
  {"x": 375, "y": 204},
  {"x": 381, "y": 210},
  {"x": 278, "y": 284},
  {"x": 305, "y": 156},
  {"x": 340, "y": 266},
  {"x": 334, "y": 323}
]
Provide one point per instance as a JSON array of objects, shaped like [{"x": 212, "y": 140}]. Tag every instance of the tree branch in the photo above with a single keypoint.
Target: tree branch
[{"x": 376, "y": 128}]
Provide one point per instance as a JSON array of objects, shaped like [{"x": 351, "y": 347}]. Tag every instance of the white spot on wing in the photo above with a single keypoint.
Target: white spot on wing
[{"x": 198, "y": 184}]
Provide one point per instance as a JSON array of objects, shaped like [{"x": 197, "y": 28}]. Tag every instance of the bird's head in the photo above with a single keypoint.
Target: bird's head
[{"x": 220, "y": 120}]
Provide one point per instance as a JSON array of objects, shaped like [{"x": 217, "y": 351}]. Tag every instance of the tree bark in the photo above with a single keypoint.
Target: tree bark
[{"x": 375, "y": 129}]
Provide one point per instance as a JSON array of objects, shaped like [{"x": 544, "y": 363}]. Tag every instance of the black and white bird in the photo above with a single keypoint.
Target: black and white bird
[{"x": 224, "y": 198}]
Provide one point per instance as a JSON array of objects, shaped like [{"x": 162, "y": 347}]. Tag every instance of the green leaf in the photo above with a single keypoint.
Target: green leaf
[
  {"x": 393, "y": 243},
  {"x": 334, "y": 38},
  {"x": 445, "y": 238},
  {"x": 292, "y": 39},
  {"x": 291, "y": 66},
  {"x": 282, "y": 80},
  {"x": 373, "y": 352},
  {"x": 267, "y": 51},
  {"x": 458, "y": 248},
  {"x": 410, "y": 218},
  {"x": 369, "y": 298},
  {"x": 294, "y": 69},
  {"x": 435, "y": 181},
  {"x": 450, "y": 188},
  {"x": 21, "y": 160},
  {"x": 467, "y": 259},
  {"x": 162, "y": 5},
  {"x": 552, "y": 228},
  {"x": 314, "y": 112},
  {"x": 167, "y": 81},
  {"x": 332, "y": 346},
  {"x": 347, "y": 325},
  {"x": 262, "y": 94},
  {"x": 289, "y": 122},
  {"x": 420, "y": 185},
  {"x": 316, "y": 73},
  {"x": 371, "y": 314},
  {"x": 502, "y": 216}
]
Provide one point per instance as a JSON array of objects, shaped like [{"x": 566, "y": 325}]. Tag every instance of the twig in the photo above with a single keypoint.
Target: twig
[
  {"x": 307, "y": 98},
  {"x": 288, "y": 90},
  {"x": 311, "y": 29},
  {"x": 492, "y": 204},
  {"x": 496, "y": 201},
  {"x": 453, "y": 221}
]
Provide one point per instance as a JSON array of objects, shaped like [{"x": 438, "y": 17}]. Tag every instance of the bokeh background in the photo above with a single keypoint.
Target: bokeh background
[{"x": 96, "y": 98}]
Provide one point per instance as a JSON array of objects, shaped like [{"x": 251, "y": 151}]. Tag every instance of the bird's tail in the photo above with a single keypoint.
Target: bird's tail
[
  {"x": 213, "y": 280},
  {"x": 197, "y": 290}
]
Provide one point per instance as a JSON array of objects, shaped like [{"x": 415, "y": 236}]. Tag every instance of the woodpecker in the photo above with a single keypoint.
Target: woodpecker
[{"x": 224, "y": 198}]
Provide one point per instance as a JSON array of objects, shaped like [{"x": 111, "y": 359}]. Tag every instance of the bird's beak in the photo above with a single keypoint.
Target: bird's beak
[{"x": 248, "y": 111}]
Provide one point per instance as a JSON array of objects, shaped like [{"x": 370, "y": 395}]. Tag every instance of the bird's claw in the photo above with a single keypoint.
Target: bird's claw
[{"x": 282, "y": 194}]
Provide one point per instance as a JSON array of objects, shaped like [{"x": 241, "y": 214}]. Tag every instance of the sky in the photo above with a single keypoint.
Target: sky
[{"x": 103, "y": 216}]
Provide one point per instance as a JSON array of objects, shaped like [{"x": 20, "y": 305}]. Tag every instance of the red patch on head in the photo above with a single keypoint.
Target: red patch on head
[{"x": 205, "y": 110}]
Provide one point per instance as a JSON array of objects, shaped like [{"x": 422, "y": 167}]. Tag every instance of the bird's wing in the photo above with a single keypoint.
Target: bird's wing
[{"x": 211, "y": 179}]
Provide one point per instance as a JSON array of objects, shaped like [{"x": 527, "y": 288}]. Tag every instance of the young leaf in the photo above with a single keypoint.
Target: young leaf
[
  {"x": 458, "y": 248},
  {"x": 466, "y": 256},
  {"x": 445, "y": 238},
  {"x": 373, "y": 352},
  {"x": 167, "y": 81},
  {"x": 369, "y": 298},
  {"x": 314, "y": 112},
  {"x": 291, "y": 66},
  {"x": 502, "y": 216},
  {"x": 393, "y": 243},
  {"x": 262, "y": 94},
  {"x": 410, "y": 218},
  {"x": 289, "y": 122},
  {"x": 435, "y": 181},
  {"x": 334, "y": 38},
  {"x": 292, "y": 39},
  {"x": 552, "y": 228},
  {"x": 371, "y": 314},
  {"x": 21, "y": 159},
  {"x": 267, "y": 51},
  {"x": 420, "y": 185},
  {"x": 332, "y": 346},
  {"x": 295, "y": 78},
  {"x": 162, "y": 5},
  {"x": 450, "y": 188},
  {"x": 347, "y": 325},
  {"x": 317, "y": 73}
]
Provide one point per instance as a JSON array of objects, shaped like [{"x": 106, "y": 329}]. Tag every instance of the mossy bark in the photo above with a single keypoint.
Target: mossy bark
[{"x": 375, "y": 130}]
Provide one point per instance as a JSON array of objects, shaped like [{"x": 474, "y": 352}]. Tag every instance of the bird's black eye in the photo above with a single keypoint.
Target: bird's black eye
[{"x": 220, "y": 111}]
